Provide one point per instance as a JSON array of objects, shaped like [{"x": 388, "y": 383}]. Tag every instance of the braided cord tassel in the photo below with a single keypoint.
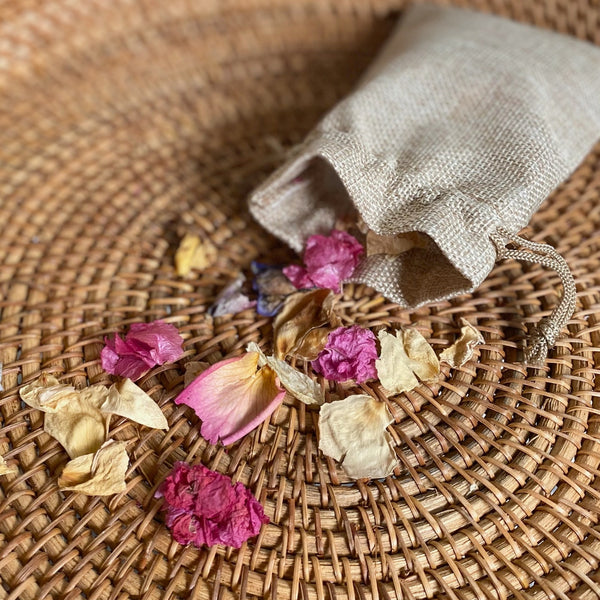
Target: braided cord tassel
[{"x": 544, "y": 335}]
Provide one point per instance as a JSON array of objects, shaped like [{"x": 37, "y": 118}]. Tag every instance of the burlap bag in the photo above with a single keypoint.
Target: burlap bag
[{"x": 463, "y": 125}]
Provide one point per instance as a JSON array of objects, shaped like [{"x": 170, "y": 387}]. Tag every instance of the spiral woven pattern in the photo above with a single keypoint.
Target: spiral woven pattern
[{"x": 125, "y": 125}]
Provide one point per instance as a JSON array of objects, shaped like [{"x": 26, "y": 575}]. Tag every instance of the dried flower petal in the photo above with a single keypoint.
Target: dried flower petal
[
  {"x": 205, "y": 507},
  {"x": 462, "y": 350},
  {"x": 128, "y": 400},
  {"x": 328, "y": 261},
  {"x": 404, "y": 357},
  {"x": 302, "y": 313},
  {"x": 193, "y": 253},
  {"x": 46, "y": 393},
  {"x": 353, "y": 431},
  {"x": 77, "y": 424},
  {"x": 350, "y": 353},
  {"x": 231, "y": 299},
  {"x": 6, "y": 469},
  {"x": 272, "y": 287},
  {"x": 232, "y": 397},
  {"x": 99, "y": 474},
  {"x": 145, "y": 346},
  {"x": 298, "y": 384}
]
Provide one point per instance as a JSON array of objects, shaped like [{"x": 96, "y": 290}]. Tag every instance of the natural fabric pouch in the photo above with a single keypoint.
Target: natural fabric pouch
[{"x": 463, "y": 125}]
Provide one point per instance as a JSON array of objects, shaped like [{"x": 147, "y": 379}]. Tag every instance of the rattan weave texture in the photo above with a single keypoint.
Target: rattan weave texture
[{"x": 125, "y": 124}]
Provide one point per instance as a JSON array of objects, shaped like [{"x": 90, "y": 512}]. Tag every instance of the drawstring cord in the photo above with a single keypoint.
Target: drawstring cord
[{"x": 545, "y": 333}]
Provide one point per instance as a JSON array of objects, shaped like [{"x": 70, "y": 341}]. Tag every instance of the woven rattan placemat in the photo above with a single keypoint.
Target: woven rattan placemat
[{"x": 124, "y": 125}]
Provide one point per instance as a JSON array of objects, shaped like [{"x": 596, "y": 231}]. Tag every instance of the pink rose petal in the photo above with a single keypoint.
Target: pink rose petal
[
  {"x": 350, "y": 353},
  {"x": 205, "y": 507},
  {"x": 232, "y": 398},
  {"x": 145, "y": 346},
  {"x": 329, "y": 260}
]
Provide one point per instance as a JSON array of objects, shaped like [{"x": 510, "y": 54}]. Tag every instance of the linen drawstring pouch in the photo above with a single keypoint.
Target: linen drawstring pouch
[{"x": 460, "y": 129}]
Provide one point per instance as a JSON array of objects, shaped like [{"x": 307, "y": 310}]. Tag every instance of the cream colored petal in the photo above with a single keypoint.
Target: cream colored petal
[
  {"x": 99, "y": 474},
  {"x": 193, "y": 253},
  {"x": 298, "y": 384},
  {"x": 404, "y": 357},
  {"x": 353, "y": 431},
  {"x": 6, "y": 469},
  {"x": 462, "y": 350},
  {"x": 46, "y": 393},
  {"x": 126, "y": 399}
]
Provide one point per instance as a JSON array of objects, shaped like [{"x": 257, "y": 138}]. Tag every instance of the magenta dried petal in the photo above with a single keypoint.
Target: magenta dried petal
[
  {"x": 163, "y": 340},
  {"x": 218, "y": 512},
  {"x": 350, "y": 353},
  {"x": 298, "y": 276}
]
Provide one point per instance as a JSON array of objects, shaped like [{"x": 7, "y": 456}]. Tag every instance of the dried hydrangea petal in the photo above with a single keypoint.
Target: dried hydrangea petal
[
  {"x": 353, "y": 432},
  {"x": 231, "y": 299},
  {"x": 405, "y": 358},
  {"x": 232, "y": 397},
  {"x": 462, "y": 350},
  {"x": 99, "y": 474},
  {"x": 272, "y": 287}
]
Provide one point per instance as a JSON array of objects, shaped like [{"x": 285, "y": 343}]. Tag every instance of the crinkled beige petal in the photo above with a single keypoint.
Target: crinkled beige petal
[
  {"x": 193, "y": 253},
  {"x": 46, "y": 393},
  {"x": 301, "y": 313},
  {"x": 6, "y": 469},
  {"x": 192, "y": 370},
  {"x": 126, "y": 399},
  {"x": 298, "y": 384},
  {"x": 79, "y": 426},
  {"x": 353, "y": 431},
  {"x": 404, "y": 357},
  {"x": 462, "y": 350},
  {"x": 394, "y": 244},
  {"x": 99, "y": 474}
]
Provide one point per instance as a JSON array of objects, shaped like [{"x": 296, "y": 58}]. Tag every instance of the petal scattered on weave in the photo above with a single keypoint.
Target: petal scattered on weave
[
  {"x": 193, "y": 253},
  {"x": 328, "y": 261},
  {"x": 6, "y": 469},
  {"x": 302, "y": 313},
  {"x": 46, "y": 393},
  {"x": 145, "y": 346},
  {"x": 232, "y": 397},
  {"x": 272, "y": 287},
  {"x": 78, "y": 423},
  {"x": 353, "y": 432},
  {"x": 204, "y": 507},
  {"x": 231, "y": 299},
  {"x": 298, "y": 384},
  {"x": 462, "y": 350},
  {"x": 405, "y": 358},
  {"x": 126, "y": 399},
  {"x": 99, "y": 474},
  {"x": 350, "y": 353}
]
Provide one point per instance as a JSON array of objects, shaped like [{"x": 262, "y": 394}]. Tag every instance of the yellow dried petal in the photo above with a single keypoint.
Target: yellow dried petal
[
  {"x": 193, "y": 253},
  {"x": 301, "y": 313},
  {"x": 404, "y": 357},
  {"x": 6, "y": 469},
  {"x": 353, "y": 432},
  {"x": 126, "y": 399},
  {"x": 298, "y": 384},
  {"x": 99, "y": 474},
  {"x": 462, "y": 350},
  {"x": 46, "y": 393}
]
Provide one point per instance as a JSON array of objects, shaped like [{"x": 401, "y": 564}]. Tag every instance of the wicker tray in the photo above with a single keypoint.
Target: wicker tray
[{"x": 125, "y": 124}]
